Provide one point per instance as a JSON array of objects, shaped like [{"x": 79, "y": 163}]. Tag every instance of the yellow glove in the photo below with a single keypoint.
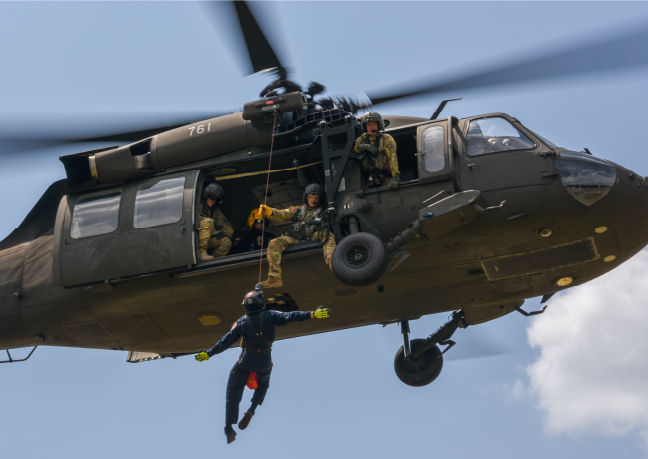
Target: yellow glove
[
  {"x": 255, "y": 214},
  {"x": 321, "y": 313},
  {"x": 267, "y": 211},
  {"x": 202, "y": 356}
]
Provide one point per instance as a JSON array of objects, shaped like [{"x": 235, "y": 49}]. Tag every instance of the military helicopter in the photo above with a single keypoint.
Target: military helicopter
[{"x": 488, "y": 213}]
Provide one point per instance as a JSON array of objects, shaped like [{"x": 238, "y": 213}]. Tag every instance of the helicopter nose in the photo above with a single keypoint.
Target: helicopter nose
[
  {"x": 613, "y": 204},
  {"x": 626, "y": 210}
]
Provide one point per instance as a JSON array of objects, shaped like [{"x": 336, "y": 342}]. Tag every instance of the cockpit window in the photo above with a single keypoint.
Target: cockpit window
[
  {"x": 491, "y": 135},
  {"x": 545, "y": 140},
  {"x": 159, "y": 204},
  {"x": 96, "y": 215}
]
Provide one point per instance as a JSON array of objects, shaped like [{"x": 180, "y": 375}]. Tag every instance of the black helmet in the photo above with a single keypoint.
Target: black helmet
[
  {"x": 372, "y": 116},
  {"x": 215, "y": 192},
  {"x": 314, "y": 188},
  {"x": 254, "y": 300}
]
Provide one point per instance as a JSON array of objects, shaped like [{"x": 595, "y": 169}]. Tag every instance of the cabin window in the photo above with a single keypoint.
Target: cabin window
[
  {"x": 433, "y": 146},
  {"x": 159, "y": 203},
  {"x": 495, "y": 134},
  {"x": 96, "y": 215}
]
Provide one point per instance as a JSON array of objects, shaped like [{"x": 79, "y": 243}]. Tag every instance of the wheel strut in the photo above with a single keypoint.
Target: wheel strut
[
  {"x": 406, "y": 342},
  {"x": 442, "y": 335}
]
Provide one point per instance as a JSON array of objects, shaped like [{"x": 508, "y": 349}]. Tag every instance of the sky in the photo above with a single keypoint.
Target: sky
[{"x": 570, "y": 383}]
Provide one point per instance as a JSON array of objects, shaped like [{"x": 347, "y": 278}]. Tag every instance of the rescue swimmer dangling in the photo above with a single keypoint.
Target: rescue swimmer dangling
[{"x": 256, "y": 329}]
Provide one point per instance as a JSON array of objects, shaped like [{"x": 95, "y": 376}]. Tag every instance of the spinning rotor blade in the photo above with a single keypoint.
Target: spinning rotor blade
[
  {"x": 261, "y": 54},
  {"x": 131, "y": 136},
  {"x": 25, "y": 139},
  {"x": 622, "y": 51}
]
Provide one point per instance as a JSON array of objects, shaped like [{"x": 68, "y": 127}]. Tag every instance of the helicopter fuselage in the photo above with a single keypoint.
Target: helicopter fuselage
[{"x": 487, "y": 214}]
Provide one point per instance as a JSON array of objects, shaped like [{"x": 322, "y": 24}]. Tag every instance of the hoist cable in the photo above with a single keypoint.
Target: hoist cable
[{"x": 265, "y": 197}]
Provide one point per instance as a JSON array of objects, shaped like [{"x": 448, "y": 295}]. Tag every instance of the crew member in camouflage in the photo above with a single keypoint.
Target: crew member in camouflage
[
  {"x": 309, "y": 223},
  {"x": 214, "y": 231},
  {"x": 377, "y": 151}
]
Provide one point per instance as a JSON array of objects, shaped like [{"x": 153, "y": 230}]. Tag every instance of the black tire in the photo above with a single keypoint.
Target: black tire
[
  {"x": 360, "y": 259},
  {"x": 421, "y": 371}
]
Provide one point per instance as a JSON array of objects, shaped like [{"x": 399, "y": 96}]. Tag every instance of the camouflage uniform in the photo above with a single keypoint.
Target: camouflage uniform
[
  {"x": 304, "y": 228},
  {"x": 380, "y": 162},
  {"x": 215, "y": 231}
]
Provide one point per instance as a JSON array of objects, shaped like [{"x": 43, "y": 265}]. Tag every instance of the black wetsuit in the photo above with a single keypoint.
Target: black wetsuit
[{"x": 257, "y": 329}]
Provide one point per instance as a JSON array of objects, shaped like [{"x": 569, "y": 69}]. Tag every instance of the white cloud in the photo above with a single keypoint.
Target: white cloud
[{"x": 592, "y": 372}]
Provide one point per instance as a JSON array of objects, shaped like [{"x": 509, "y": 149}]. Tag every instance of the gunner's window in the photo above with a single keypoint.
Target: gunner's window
[
  {"x": 96, "y": 215},
  {"x": 495, "y": 134},
  {"x": 159, "y": 203}
]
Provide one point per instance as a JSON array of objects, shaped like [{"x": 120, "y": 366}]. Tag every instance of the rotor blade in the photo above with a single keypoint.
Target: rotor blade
[
  {"x": 133, "y": 135},
  {"x": 622, "y": 51},
  {"x": 58, "y": 132},
  {"x": 260, "y": 52}
]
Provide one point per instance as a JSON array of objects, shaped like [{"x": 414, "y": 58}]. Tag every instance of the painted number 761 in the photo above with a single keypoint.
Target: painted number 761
[{"x": 199, "y": 129}]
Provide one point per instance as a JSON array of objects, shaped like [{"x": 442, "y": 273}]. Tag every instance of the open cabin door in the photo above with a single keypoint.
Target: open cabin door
[{"x": 137, "y": 228}]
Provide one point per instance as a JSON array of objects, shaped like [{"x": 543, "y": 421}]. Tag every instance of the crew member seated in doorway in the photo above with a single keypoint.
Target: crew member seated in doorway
[
  {"x": 310, "y": 222},
  {"x": 377, "y": 151},
  {"x": 214, "y": 231}
]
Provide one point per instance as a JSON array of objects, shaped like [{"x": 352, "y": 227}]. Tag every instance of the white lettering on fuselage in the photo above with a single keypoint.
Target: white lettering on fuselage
[{"x": 199, "y": 129}]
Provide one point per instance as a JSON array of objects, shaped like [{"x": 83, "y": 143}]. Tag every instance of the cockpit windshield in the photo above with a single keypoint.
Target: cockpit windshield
[
  {"x": 495, "y": 134},
  {"x": 545, "y": 140}
]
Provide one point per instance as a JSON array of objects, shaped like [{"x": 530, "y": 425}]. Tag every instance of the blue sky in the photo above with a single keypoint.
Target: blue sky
[{"x": 570, "y": 383}]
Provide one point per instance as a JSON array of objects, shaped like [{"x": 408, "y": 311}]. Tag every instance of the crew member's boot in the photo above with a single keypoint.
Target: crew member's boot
[
  {"x": 272, "y": 282},
  {"x": 245, "y": 420},
  {"x": 230, "y": 433},
  {"x": 204, "y": 256},
  {"x": 247, "y": 417}
]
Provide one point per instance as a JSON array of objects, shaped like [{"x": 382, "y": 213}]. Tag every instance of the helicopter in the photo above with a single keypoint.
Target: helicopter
[{"x": 460, "y": 226}]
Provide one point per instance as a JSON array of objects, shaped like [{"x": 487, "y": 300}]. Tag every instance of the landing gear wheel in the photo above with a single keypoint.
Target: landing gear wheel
[
  {"x": 422, "y": 370},
  {"x": 360, "y": 259}
]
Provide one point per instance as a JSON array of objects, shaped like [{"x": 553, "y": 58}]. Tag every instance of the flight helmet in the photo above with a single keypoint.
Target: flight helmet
[
  {"x": 314, "y": 188},
  {"x": 254, "y": 300},
  {"x": 372, "y": 116},
  {"x": 214, "y": 191}
]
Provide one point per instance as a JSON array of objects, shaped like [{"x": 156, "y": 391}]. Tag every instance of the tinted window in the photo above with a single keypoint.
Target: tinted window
[
  {"x": 97, "y": 215},
  {"x": 586, "y": 178},
  {"x": 159, "y": 204},
  {"x": 433, "y": 146},
  {"x": 490, "y": 135}
]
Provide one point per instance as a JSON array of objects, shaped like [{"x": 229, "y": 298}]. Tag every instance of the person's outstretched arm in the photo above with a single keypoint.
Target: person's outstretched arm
[{"x": 225, "y": 342}]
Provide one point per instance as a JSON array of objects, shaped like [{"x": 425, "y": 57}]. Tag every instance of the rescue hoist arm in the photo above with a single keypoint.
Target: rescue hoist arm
[
  {"x": 335, "y": 153},
  {"x": 335, "y": 157}
]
